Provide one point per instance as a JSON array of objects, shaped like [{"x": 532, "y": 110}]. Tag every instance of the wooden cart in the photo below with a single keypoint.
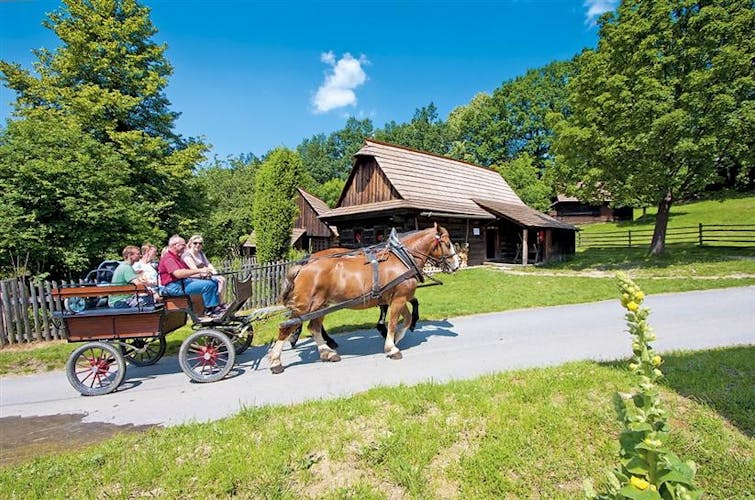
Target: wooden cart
[{"x": 113, "y": 336}]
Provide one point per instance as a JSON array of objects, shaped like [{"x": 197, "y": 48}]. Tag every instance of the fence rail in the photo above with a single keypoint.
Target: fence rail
[
  {"x": 26, "y": 307},
  {"x": 742, "y": 235}
]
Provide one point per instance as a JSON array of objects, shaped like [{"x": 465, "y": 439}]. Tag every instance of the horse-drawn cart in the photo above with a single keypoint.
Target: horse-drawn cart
[{"x": 113, "y": 336}]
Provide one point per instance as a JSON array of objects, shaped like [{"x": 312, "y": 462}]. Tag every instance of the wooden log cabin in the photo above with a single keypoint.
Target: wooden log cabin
[
  {"x": 310, "y": 233},
  {"x": 396, "y": 187}
]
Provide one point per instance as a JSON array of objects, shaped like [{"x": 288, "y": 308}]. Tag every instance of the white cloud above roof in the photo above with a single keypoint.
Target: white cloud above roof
[
  {"x": 595, "y": 8},
  {"x": 345, "y": 75}
]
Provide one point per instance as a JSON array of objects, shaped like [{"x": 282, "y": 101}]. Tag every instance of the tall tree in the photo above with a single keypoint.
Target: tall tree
[
  {"x": 522, "y": 176},
  {"x": 665, "y": 97},
  {"x": 425, "y": 132},
  {"x": 343, "y": 143},
  {"x": 108, "y": 79},
  {"x": 229, "y": 203},
  {"x": 63, "y": 196},
  {"x": 494, "y": 129},
  {"x": 275, "y": 209}
]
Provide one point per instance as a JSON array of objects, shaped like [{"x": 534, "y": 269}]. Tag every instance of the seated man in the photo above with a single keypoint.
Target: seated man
[
  {"x": 178, "y": 279},
  {"x": 124, "y": 274}
]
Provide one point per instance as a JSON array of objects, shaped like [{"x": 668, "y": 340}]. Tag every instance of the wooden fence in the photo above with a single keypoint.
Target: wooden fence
[
  {"x": 26, "y": 307},
  {"x": 739, "y": 235}
]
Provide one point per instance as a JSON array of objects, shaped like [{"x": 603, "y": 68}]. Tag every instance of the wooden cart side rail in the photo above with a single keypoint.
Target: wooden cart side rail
[{"x": 97, "y": 291}]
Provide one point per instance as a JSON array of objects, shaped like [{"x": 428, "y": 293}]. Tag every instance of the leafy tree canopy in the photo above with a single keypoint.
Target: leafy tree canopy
[
  {"x": 107, "y": 81},
  {"x": 665, "y": 98},
  {"x": 521, "y": 176},
  {"x": 425, "y": 132},
  {"x": 274, "y": 210}
]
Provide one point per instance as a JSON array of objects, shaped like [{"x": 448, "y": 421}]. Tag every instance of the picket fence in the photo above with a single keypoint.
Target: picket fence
[{"x": 26, "y": 307}]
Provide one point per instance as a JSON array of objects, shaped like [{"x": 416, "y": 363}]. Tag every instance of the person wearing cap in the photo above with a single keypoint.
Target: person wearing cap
[
  {"x": 178, "y": 279},
  {"x": 195, "y": 258}
]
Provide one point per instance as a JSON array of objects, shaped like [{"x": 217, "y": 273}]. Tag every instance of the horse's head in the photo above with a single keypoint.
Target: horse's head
[{"x": 443, "y": 252}]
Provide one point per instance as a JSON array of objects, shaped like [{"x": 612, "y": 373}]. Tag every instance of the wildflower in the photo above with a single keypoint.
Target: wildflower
[
  {"x": 657, "y": 360},
  {"x": 632, "y": 306},
  {"x": 639, "y": 483}
]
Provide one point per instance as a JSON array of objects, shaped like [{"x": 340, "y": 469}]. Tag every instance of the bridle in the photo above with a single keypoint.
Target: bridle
[{"x": 442, "y": 261}]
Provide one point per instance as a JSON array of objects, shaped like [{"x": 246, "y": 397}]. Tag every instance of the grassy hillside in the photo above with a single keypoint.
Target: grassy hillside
[{"x": 737, "y": 210}]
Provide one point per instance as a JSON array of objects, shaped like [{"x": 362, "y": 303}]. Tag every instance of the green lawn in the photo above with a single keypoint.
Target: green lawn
[{"x": 525, "y": 434}]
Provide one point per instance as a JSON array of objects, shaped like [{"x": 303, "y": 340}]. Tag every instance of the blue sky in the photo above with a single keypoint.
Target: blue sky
[{"x": 250, "y": 76}]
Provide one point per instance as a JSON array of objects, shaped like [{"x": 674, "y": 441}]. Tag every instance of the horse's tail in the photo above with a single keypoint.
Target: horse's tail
[{"x": 288, "y": 282}]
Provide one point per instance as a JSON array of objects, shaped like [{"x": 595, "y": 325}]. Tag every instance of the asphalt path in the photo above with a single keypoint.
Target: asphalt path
[{"x": 452, "y": 349}]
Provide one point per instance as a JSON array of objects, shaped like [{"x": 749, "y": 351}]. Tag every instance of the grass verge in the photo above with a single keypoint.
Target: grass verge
[{"x": 525, "y": 434}]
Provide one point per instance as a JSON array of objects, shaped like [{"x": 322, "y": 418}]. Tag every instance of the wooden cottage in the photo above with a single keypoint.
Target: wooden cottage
[
  {"x": 393, "y": 186},
  {"x": 572, "y": 210},
  {"x": 310, "y": 233}
]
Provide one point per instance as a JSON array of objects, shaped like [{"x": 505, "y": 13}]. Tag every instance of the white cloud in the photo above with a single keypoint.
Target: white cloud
[
  {"x": 337, "y": 91},
  {"x": 597, "y": 7}
]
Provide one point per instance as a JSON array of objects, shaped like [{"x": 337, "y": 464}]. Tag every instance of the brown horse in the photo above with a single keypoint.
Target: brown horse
[{"x": 319, "y": 286}]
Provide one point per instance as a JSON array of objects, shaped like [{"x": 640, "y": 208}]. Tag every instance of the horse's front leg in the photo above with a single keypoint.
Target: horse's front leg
[
  {"x": 381, "y": 320},
  {"x": 397, "y": 307},
  {"x": 326, "y": 352}
]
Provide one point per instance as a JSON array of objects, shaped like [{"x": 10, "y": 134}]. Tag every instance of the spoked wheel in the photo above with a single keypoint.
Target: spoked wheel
[
  {"x": 95, "y": 368},
  {"x": 143, "y": 351},
  {"x": 206, "y": 356},
  {"x": 243, "y": 339}
]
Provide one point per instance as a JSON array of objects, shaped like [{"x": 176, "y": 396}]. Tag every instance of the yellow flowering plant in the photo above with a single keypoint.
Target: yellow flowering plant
[{"x": 649, "y": 470}]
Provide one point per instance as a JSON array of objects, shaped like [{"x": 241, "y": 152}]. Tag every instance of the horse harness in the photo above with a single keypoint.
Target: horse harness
[{"x": 374, "y": 255}]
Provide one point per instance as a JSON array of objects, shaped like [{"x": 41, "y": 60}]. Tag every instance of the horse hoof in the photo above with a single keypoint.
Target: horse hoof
[
  {"x": 396, "y": 355},
  {"x": 278, "y": 369},
  {"x": 332, "y": 357}
]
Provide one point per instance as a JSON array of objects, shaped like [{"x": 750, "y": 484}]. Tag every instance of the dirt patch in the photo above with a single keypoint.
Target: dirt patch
[{"x": 25, "y": 438}]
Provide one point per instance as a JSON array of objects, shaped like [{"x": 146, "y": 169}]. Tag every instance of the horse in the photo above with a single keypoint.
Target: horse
[
  {"x": 380, "y": 326},
  {"x": 317, "y": 287}
]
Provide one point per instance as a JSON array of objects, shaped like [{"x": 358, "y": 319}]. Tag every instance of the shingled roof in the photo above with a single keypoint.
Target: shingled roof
[
  {"x": 319, "y": 206},
  {"x": 434, "y": 183},
  {"x": 523, "y": 215}
]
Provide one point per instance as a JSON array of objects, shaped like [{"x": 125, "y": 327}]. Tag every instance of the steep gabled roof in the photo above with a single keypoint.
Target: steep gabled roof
[
  {"x": 436, "y": 183},
  {"x": 319, "y": 206}
]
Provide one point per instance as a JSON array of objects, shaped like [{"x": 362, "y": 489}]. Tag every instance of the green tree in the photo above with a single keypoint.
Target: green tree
[
  {"x": 494, "y": 129},
  {"x": 229, "y": 203},
  {"x": 107, "y": 78},
  {"x": 63, "y": 196},
  {"x": 330, "y": 191},
  {"x": 342, "y": 144},
  {"x": 275, "y": 209},
  {"x": 664, "y": 99},
  {"x": 521, "y": 174},
  {"x": 425, "y": 132}
]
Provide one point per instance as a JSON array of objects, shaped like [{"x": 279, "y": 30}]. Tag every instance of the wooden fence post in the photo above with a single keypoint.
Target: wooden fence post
[
  {"x": 630, "y": 238},
  {"x": 700, "y": 233}
]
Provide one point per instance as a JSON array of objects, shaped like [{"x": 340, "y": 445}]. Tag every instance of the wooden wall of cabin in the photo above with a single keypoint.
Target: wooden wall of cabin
[
  {"x": 367, "y": 184},
  {"x": 308, "y": 220}
]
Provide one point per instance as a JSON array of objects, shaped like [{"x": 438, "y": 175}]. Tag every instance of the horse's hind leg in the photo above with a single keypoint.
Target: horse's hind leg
[
  {"x": 381, "y": 321},
  {"x": 415, "y": 313},
  {"x": 326, "y": 352},
  {"x": 275, "y": 353},
  {"x": 328, "y": 339}
]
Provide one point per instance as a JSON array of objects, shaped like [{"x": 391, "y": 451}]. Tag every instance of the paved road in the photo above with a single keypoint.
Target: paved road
[{"x": 456, "y": 348}]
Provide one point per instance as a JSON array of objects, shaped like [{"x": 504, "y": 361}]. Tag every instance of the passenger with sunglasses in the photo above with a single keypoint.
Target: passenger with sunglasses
[
  {"x": 195, "y": 258},
  {"x": 179, "y": 279}
]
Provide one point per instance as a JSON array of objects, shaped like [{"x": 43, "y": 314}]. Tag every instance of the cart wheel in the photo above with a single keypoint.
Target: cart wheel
[
  {"x": 95, "y": 368},
  {"x": 243, "y": 339},
  {"x": 143, "y": 351},
  {"x": 206, "y": 356}
]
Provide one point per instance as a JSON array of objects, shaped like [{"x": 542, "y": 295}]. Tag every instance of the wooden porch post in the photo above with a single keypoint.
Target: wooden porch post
[{"x": 525, "y": 247}]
